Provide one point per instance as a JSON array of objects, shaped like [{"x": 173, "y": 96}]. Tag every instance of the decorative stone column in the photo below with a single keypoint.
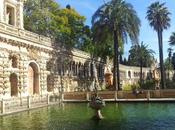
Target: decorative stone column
[
  {"x": 43, "y": 76},
  {"x": 23, "y": 73},
  {"x": 2, "y": 11},
  {"x": 20, "y": 77},
  {"x": 89, "y": 70},
  {"x": 20, "y": 21},
  {"x": 25, "y": 76},
  {"x": 71, "y": 70},
  {"x": 6, "y": 76},
  {"x": 43, "y": 80},
  {"x": 56, "y": 84}
]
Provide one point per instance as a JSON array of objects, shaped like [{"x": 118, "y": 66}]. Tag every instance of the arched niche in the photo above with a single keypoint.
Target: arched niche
[
  {"x": 14, "y": 84},
  {"x": 33, "y": 78}
]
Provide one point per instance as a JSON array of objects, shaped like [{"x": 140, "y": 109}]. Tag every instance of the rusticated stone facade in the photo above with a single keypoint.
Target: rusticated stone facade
[{"x": 30, "y": 64}]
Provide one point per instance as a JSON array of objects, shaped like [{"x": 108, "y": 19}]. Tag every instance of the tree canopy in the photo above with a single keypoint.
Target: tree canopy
[
  {"x": 109, "y": 15},
  {"x": 65, "y": 25},
  {"x": 112, "y": 24},
  {"x": 172, "y": 39},
  {"x": 140, "y": 52}
]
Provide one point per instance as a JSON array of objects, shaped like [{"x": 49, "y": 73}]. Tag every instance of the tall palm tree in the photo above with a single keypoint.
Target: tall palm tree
[
  {"x": 116, "y": 20},
  {"x": 172, "y": 39},
  {"x": 158, "y": 17}
]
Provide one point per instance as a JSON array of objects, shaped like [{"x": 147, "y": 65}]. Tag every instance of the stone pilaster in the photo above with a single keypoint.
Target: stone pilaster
[
  {"x": 2, "y": 10},
  {"x": 5, "y": 76},
  {"x": 22, "y": 82},
  {"x": 20, "y": 20},
  {"x": 89, "y": 70},
  {"x": 25, "y": 76},
  {"x": 57, "y": 84},
  {"x": 43, "y": 77}
]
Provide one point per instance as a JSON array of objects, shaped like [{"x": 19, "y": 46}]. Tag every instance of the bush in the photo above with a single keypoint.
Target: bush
[
  {"x": 130, "y": 87},
  {"x": 135, "y": 86},
  {"x": 170, "y": 84},
  {"x": 127, "y": 87},
  {"x": 148, "y": 84}
]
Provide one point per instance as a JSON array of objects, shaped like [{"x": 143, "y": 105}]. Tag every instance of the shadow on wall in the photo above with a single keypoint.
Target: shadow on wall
[{"x": 73, "y": 70}]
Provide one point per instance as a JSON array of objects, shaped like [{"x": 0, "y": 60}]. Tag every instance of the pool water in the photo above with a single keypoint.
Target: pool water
[{"x": 120, "y": 116}]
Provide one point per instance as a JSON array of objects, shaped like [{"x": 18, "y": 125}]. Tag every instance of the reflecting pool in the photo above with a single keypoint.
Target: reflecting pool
[{"x": 120, "y": 116}]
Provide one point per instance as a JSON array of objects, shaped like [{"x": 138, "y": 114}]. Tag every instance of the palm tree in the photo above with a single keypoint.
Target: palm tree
[
  {"x": 115, "y": 20},
  {"x": 145, "y": 54},
  {"x": 140, "y": 55},
  {"x": 172, "y": 39},
  {"x": 158, "y": 17},
  {"x": 169, "y": 60},
  {"x": 171, "y": 43}
]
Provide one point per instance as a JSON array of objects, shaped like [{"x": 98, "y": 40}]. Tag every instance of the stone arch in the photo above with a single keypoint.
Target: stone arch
[
  {"x": 79, "y": 69},
  {"x": 85, "y": 70},
  {"x": 74, "y": 68},
  {"x": 129, "y": 74},
  {"x": 33, "y": 78},
  {"x": 14, "y": 84}
]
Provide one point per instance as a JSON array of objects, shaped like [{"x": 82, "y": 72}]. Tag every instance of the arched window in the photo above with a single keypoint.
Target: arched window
[
  {"x": 74, "y": 68},
  {"x": 10, "y": 15},
  {"x": 33, "y": 79},
  {"x": 129, "y": 74}
]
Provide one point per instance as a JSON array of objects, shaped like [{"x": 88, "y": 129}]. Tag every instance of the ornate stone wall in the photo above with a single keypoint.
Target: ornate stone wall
[
  {"x": 31, "y": 65},
  {"x": 58, "y": 69},
  {"x": 15, "y": 57}
]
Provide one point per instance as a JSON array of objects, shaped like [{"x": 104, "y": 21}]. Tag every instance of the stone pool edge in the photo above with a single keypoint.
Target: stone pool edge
[
  {"x": 144, "y": 100},
  {"x": 126, "y": 100},
  {"x": 28, "y": 109}
]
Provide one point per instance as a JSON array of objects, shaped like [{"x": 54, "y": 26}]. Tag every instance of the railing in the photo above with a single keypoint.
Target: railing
[
  {"x": 24, "y": 34},
  {"x": 147, "y": 95},
  {"x": 24, "y": 103}
]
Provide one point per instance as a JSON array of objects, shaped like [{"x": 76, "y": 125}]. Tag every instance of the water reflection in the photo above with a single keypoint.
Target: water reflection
[{"x": 136, "y": 116}]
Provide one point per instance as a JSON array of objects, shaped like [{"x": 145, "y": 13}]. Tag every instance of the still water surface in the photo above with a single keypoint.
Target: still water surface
[{"x": 122, "y": 116}]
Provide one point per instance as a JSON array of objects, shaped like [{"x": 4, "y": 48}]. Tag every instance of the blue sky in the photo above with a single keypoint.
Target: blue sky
[{"x": 147, "y": 34}]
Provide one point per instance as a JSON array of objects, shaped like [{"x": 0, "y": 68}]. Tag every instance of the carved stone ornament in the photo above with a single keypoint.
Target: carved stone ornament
[{"x": 33, "y": 54}]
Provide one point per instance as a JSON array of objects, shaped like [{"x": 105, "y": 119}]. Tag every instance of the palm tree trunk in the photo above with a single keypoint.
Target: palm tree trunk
[
  {"x": 169, "y": 68},
  {"x": 116, "y": 82},
  {"x": 141, "y": 71},
  {"x": 161, "y": 58}
]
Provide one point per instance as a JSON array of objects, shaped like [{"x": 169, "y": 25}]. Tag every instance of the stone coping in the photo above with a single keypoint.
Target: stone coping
[
  {"x": 24, "y": 34},
  {"x": 28, "y": 109},
  {"x": 126, "y": 100}
]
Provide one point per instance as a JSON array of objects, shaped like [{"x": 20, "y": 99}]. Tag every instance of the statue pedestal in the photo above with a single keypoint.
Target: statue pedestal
[
  {"x": 98, "y": 115},
  {"x": 97, "y": 104}
]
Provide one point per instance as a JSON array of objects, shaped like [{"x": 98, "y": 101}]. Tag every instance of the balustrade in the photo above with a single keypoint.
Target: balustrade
[
  {"x": 23, "y": 103},
  {"x": 24, "y": 34}
]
